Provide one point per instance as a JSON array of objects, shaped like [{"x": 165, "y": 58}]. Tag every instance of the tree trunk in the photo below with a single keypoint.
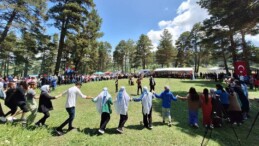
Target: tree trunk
[
  {"x": 26, "y": 68},
  {"x": 144, "y": 63},
  {"x": 125, "y": 63},
  {"x": 61, "y": 45},
  {"x": 233, "y": 49},
  {"x": 2, "y": 67},
  {"x": 246, "y": 53},
  {"x": 224, "y": 57},
  {"x": 8, "y": 25}
]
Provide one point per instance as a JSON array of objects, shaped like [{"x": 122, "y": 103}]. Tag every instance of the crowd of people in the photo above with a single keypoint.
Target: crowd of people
[{"x": 230, "y": 104}]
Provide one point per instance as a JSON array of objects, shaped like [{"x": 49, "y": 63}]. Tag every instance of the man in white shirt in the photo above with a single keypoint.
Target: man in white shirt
[{"x": 71, "y": 94}]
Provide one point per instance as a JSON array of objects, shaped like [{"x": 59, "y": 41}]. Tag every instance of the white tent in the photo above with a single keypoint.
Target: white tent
[
  {"x": 216, "y": 70},
  {"x": 176, "y": 70}
]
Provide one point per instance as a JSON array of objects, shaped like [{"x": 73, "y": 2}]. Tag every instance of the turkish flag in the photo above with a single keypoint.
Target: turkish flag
[{"x": 240, "y": 68}]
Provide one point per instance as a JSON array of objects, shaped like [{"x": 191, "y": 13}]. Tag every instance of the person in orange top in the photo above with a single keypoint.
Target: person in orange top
[{"x": 206, "y": 106}]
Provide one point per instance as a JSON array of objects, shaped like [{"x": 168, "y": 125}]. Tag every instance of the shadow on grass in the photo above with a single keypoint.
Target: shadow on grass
[
  {"x": 94, "y": 131},
  {"x": 90, "y": 131},
  {"x": 134, "y": 95},
  {"x": 135, "y": 127},
  {"x": 203, "y": 83}
]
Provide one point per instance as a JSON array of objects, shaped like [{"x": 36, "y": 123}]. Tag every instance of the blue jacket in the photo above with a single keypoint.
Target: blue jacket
[
  {"x": 224, "y": 96},
  {"x": 166, "y": 97}
]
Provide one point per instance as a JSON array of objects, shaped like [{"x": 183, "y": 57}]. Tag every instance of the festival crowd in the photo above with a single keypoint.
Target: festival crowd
[{"x": 230, "y": 104}]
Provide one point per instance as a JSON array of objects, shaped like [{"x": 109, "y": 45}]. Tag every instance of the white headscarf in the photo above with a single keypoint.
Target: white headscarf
[
  {"x": 45, "y": 88},
  {"x": 101, "y": 99},
  {"x": 146, "y": 100},
  {"x": 122, "y": 101}
]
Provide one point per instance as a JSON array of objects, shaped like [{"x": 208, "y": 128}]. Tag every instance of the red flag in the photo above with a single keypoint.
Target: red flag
[{"x": 240, "y": 68}]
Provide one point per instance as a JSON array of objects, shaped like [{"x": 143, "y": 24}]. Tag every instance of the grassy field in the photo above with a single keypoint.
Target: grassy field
[{"x": 87, "y": 120}]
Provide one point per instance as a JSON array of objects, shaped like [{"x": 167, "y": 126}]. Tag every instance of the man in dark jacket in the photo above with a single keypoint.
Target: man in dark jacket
[{"x": 152, "y": 83}]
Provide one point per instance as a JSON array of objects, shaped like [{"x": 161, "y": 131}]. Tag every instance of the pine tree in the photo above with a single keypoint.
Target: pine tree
[{"x": 166, "y": 52}]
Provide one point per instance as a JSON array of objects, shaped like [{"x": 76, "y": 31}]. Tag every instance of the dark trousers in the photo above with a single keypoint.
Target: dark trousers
[
  {"x": 71, "y": 113},
  {"x": 235, "y": 116},
  {"x": 225, "y": 110},
  {"x": 105, "y": 118},
  {"x": 152, "y": 88},
  {"x": 147, "y": 118},
  {"x": 139, "y": 88},
  {"x": 123, "y": 120},
  {"x": 43, "y": 119},
  {"x": 116, "y": 87},
  {"x": 12, "y": 111},
  {"x": 1, "y": 111}
]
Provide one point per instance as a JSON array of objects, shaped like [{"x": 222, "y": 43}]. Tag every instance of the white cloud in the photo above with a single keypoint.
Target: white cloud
[{"x": 188, "y": 13}]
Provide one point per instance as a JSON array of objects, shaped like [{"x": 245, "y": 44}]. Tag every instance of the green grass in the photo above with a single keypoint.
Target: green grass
[{"x": 87, "y": 119}]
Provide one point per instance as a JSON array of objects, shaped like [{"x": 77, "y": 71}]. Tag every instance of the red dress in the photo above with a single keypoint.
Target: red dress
[{"x": 206, "y": 110}]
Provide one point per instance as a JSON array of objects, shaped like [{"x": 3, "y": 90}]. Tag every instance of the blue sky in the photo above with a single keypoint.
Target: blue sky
[{"x": 128, "y": 19}]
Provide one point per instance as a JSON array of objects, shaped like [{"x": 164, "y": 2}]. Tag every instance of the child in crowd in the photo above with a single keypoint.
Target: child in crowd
[
  {"x": 193, "y": 106},
  {"x": 146, "y": 100},
  {"x": 167, "y": 96},
  {"x": 121, "y": 105},
  {"x": 103, "y": 104},
  {"x": 45, "y": 104}
]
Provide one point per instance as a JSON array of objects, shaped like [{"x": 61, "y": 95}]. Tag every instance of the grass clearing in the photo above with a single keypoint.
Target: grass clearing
[{"x": 87, "y": 120}]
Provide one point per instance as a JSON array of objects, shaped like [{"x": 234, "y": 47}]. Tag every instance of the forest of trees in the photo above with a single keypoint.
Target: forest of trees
[{"x": 25, "y": 45}]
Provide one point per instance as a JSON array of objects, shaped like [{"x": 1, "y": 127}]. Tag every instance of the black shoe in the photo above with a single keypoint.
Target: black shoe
[
  {"x": 71, "y": 128},
  {"x": 37, "y": 124}
]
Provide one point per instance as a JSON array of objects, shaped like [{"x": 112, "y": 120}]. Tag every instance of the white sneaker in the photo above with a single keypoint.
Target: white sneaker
[
  {"x": 2, "y": 119},
  {"x": 119, "y": 130},
  {"x": 10, "y": 119},
  {"x": 101, "y": 131}
]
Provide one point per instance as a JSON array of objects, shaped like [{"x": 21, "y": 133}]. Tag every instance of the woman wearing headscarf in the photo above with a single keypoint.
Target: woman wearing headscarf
[
  {"x": 234, "y": 110},
  {"x": 45, "y": 104},
  {"x": 146, "y": 100},
  {"x": 121, "y": 105},
  {"x": 103, "y": 104}
]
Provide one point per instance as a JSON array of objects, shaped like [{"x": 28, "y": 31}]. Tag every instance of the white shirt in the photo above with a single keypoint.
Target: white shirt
[
  {"x": 1, "y": 85},
  {"x": 72, "y": 93}
]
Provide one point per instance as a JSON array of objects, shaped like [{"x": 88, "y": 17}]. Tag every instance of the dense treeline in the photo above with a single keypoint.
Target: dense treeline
[{"x": 26, "y": 46}]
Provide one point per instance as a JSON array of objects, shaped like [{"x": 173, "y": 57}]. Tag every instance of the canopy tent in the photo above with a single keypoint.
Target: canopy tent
[
  {"x": 99, "y": 73},
  {"x": 176, "y": 70},
  {"x": 216, "y": 70}
]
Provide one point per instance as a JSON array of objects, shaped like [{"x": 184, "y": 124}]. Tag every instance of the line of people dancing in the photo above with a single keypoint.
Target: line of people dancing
[{"x": 231, "y": 104}]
